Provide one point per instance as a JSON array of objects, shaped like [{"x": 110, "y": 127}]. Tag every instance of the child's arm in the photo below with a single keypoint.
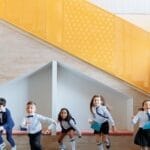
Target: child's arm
[
  {"x": 9, "y": 122},
  {"x": 24, "y": 123},
  {"x": 110, "y": 117},
  {"x": 113, "y": 128},
  {"x": 52, "y": 123},
  {"x": 75, "y": 127},
  {"x": 135, "y": 118}
]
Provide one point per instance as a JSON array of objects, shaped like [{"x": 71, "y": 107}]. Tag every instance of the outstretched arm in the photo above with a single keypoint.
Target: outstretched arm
[
  {"x": 52, "y": 123},
  {"x": 75, "y": 127}
]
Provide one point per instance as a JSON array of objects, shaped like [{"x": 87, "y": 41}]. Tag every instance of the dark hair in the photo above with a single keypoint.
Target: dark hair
[
  {"x": 2, "y": 101},
  {"x": 68, "y": 115},
  {"x": 31, "y": 103},
  {"x": 97, "y": 96},
  {"x": 142, "y": 108}
]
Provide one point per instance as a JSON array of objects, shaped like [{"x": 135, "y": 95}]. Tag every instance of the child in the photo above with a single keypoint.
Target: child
[
  {"x": 142, "y": 137},
  {"x": 32, "y": 122},
  {"x": 6, "y": 123},
  {"x": 101, "y": 116},
  {"x": 68, "y": 126}
]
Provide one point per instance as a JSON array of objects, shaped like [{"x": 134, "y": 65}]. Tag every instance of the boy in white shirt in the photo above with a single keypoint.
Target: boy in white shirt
[{"x": 32, "y": 122}]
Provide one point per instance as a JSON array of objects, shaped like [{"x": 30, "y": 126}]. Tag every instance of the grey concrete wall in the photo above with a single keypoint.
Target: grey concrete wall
[{"x": 35, "y": 86}]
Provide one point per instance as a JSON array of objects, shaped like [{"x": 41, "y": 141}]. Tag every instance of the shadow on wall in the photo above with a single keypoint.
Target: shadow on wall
[{"x": 54, "y": 86}]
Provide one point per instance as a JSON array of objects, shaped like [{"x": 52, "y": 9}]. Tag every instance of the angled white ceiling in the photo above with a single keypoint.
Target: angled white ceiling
[
  {"x": 126, "y": 7},
  {"x": 134, "y": 11}
]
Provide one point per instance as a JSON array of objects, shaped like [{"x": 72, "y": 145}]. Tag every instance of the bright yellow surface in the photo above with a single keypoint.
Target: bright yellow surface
[{"x": 87, "y": 32}]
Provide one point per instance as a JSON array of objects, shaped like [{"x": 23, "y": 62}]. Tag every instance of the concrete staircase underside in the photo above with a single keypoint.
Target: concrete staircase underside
[{"x": 21, "y": 53}]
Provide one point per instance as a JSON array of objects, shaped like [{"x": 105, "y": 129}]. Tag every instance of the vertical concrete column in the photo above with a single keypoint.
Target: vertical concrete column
[{"x": 54, "y": 89}]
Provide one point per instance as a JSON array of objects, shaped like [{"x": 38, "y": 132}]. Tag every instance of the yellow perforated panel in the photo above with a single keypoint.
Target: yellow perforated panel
[
  {"x": 87, "y": 32},
  {"x": 108, "y": 42}
]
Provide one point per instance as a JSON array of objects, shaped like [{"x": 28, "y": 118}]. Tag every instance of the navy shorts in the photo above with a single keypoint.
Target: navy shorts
[{"x": 67, "y": 130}]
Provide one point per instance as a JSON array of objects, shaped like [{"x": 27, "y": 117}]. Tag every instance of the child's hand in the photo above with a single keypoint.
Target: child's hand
[
  {"x": 80, "y": 135},
  {"x": 113, "y": 128},
  {"x": 132, "y": 117},
  {"x": 1, "y": 128},
  {"x": 90, "y": 121},
  {"x": 47, "y": 131},
  {"x": 28, "y": 123}
]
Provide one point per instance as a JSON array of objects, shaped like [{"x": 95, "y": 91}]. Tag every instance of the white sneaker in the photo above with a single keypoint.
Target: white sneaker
[
  {"x": 2, "y": 146},
  {"x": 62, "y": 147},
  {"x": 14, "y": 148}
]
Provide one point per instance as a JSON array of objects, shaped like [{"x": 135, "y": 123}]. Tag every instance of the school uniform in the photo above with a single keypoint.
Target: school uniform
[
  {"x": 69, "y": 125},
  {"x": 142, "y": 136},
  {"x": 7, "y": 124},
  {"x": 66, "y": 126},
  {"x": 34, "y": 128},
  {"x": 102, "y": 116}
]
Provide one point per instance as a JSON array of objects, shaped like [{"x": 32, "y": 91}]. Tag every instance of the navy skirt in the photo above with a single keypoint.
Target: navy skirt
[
  {"x": 142, "y": 137},
  {"x": 104, "y": 128}
]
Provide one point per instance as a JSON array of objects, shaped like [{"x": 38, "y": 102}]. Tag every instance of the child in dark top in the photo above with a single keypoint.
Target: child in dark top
[
  {"x": 68, "y": 126},
  {"x": 7, "y": 124},
  {"x": 142, "y": 137}
]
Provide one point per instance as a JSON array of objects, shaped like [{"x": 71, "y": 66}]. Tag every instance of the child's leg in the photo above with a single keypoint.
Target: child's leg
[
  {"x": 99, "y": 142},
  {"x": 2, "y": 144},
  {"x": 71, "y": 134},
  {"x": 105, "y": 132},
  {"x": 10, "y": 138},
  {"x": 106, "y": 140},
  {"x": 144, "y": 148},
  {"x": 100, "y": 146},
  {"x": 60, "y": 140},
  {"x": 1, "y": 139},
  {"x": 35, "y": 141}
]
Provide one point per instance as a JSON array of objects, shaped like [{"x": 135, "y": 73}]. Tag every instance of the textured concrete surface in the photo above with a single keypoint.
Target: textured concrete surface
[{"x": 21, "y": 53}]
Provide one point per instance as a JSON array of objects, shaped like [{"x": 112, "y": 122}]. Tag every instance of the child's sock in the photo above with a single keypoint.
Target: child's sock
[
  {"x": 62, "y": 146},
  {"x": 2, "y": 146},
  {"x": 100, "y": 146},
  {"x": 144, "y": 148},
  {"x": 107, "y": 143},
  {"x": 14, "y": 148},
  {"x": 73, "y": 144}
]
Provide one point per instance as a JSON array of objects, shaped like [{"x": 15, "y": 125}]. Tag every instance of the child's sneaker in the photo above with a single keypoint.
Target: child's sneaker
[
  {"x": 107, "y": 143},
  {"x": 62, "y": 147},
  {"x": 2, "y": 146},
  {"x": 14, "y": 148},
  {"x": 100, "y": 146}
]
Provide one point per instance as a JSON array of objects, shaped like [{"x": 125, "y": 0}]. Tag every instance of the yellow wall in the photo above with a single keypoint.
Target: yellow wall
[{"x": 87, "y": 32}]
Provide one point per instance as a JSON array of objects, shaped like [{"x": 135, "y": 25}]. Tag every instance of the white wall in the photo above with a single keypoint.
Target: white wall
[
  {"x": 39, "y": 89},
  {"x": 127, "y": 6},
  {"x": 75, "y": 92},
  {"x": 135, "y": 11},
  {"x": 16, "y": 94},
  {"x": 35, "y": 86}
]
